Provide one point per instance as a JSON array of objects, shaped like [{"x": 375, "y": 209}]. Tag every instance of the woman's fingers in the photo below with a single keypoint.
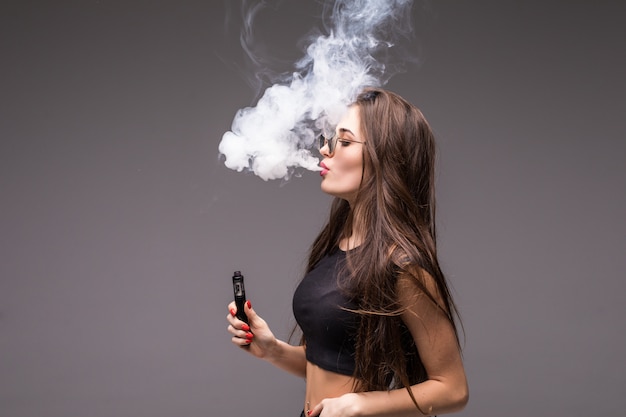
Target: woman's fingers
[
  {"x": 315, "y": 411},
  {"x": 242, "y": 335},
  {"x": 232, "y": 317}
]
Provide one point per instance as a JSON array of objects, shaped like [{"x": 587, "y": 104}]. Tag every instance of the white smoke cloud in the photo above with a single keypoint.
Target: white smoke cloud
[{"x": 275, "y": 137}]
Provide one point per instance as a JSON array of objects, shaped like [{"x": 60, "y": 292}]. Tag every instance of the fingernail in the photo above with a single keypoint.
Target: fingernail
[
  {"x": 249, "y": 335},
  {"x": 245, "y": 327},
  {"x": 308, "y": 413},
  {"x": 232, "y": 312},
  {"x": 248, "y": 341},
  {"x": 249, "y": 304}
]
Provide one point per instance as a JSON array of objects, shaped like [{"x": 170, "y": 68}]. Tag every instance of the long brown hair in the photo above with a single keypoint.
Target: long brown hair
[{"x": 395, "y": 208}]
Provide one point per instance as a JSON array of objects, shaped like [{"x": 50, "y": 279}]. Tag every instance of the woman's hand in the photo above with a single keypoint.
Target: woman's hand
[
  {"x": 345, "y": 406},
  {"x": 256, "y": 336}
]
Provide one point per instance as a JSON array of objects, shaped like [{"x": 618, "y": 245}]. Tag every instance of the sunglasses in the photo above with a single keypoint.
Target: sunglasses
[{"x": 332, "y": 142}]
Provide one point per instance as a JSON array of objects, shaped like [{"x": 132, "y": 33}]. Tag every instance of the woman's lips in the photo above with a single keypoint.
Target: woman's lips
[{"x": 324, "y": 170}]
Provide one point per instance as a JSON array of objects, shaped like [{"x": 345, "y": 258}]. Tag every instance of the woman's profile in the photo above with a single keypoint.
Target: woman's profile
[{"x": 377, "y": 317}]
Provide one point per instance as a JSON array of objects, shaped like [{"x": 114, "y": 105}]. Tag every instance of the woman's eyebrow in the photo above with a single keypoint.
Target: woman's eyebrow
[{"x": 344, "y": 130}]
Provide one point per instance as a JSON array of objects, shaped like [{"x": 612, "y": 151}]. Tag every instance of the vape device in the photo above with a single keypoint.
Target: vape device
[{"x": 240, "y": 295}]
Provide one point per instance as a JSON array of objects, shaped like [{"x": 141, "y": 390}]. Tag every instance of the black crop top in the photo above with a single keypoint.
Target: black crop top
[{"x": 329, "y": 331}]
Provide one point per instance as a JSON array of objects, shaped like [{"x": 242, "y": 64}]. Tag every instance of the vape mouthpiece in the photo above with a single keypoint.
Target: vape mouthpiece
[{"x": 237, "y": 273}]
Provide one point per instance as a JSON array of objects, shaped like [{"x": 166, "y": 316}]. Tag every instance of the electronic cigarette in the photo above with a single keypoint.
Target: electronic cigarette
[{"x": 240, "y": 295}]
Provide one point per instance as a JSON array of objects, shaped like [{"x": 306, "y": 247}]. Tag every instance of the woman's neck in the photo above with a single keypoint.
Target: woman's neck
[{"x": 355, "y": 231}]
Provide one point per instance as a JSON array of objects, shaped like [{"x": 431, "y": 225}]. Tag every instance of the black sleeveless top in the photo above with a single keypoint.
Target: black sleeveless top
[{"x": 329, "y": 331}]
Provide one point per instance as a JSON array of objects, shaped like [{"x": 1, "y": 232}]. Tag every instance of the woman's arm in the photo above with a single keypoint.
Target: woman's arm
[
  {"x": 446, "y": 389},
  {"x": 258, "y": 340}
]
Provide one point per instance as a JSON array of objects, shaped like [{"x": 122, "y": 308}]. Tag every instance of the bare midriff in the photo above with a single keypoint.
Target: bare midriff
[{"x": 321, "y": 384}]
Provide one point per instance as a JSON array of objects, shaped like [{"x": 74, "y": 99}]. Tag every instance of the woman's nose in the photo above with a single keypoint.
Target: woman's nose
[{"x": 325, "y": 150}]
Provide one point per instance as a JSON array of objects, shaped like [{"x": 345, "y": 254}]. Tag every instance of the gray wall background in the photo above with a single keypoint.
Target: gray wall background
[{"x": 120, "y": 228}]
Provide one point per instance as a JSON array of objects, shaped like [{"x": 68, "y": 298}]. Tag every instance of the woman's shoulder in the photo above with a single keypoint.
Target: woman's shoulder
[{"x": 409, "y": 273}]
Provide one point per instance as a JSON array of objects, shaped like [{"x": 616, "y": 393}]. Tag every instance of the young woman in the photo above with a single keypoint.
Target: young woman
[{"x": 378, "y": 320}]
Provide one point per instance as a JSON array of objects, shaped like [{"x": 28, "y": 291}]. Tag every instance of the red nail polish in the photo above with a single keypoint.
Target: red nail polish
[
  {"x": 245, "y": 328},
  {"x": 249, "y": 336},
  {"x": 249, "y": 304},
  {"x": 232, "y": 312},
  {"x": 308, "y": 413}
]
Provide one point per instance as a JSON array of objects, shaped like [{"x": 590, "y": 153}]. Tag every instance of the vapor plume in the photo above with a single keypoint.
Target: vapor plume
[{"x": 357, "y": 48}]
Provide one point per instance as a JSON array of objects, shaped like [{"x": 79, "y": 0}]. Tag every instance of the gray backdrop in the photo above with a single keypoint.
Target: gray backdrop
[{"x": 120, "y": 228}]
